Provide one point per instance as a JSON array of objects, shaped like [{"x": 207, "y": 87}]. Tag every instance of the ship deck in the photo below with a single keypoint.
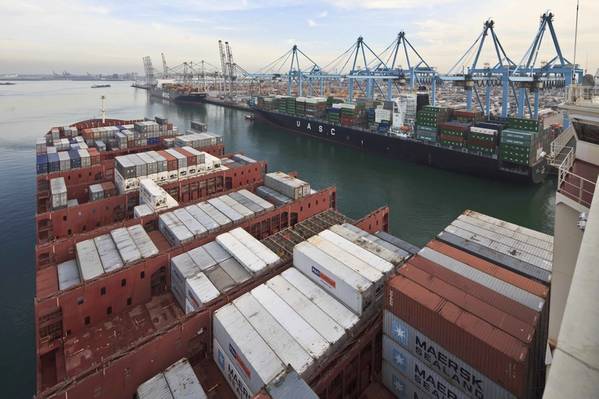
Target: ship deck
[
  {"x": 579, "y": 183},
  {"x": 91, "y": 347}
]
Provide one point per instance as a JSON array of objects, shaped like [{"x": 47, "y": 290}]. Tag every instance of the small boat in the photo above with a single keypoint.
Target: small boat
[
  {"x": 250, "y": 117},
  {"x": 7, "y": 84},
  {"x": 99, "y": 86}
]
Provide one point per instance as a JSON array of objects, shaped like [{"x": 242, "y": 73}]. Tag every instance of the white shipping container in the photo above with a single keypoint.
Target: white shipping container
[
  {"x": 257, "y": 200},
  {"x": 195, "y": 227},
  {"x": 335, "y": 309},
  {"x": 367, "y": 244},
  {"x": 250, "y": 355},
  {"x": 242, "y": 210},
  {"x": 90, "y": 265},
  {"x": 109, "y": 255},
  {"x": 222, "y": 360},
  {"x": 152, "y": 194},
  {"x": 200, "y": 291},
  {"x": 58, "y": 192},
  {"x": 277, "y": 338},
  {"x": 155, "y": 388},
  {"x": 373, "y": 260},
  {"x": 240, "y": 252},
  {"x": 225, "y": 209},
  {"x": 216, "y": 251},
  {"x": 142, "y": 241},
  {"x": 295, "y": 325},
  {"x": 142, "y": 210},
  {"x": 348, "y": 286},
  {"x": 214, "y": 214},
  {"x": 202, "y": 258},
  {"x": 316, "y": 317},
  {"x": 254, "y": 245},
  {"x": 202, "y": 217},
  {"x": 125, "y": 244},
  {"x": 173, "y": 229},
  {"x": 68, "y": 274},
  {"x": 183, "y": 382}
]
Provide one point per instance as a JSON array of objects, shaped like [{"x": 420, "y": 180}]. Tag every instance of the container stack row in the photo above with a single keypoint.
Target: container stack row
[
  {"x": 60, "y": 161},
  {"x": 184, "y": 224},
  {"x": 204, "y": 273},
  {"x": 162, "y": 166},
  {"x": 178, "y": 381},
  {"x": 198, "y": 140},
  {"x": 348, "y": 264},
  {"x": 458, "y": 325},
  {"x": 289, "y": 320},
  {"x": 105, "y": 254},
  {"x": 138, "y": 134},
  {"x": 289, "y": 186}
]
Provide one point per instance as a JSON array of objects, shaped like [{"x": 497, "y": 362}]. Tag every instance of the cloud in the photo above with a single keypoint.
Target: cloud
[
  {"x": 385, "y": 4},
  {"x": 323, "y": 14},
  {"x": 311, "y": 23}
]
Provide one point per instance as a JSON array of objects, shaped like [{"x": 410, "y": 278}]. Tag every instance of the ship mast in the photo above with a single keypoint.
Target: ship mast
[{"x": 102, "y": 110}]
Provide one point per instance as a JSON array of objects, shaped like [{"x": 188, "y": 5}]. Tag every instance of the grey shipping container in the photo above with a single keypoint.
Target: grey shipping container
[
  {"x": 400, "y": 385},
  {"x": 109, "y": 254},
  {"x": 68, "y": 274},
  {"x": 202, "y": 217},
  {"x": 215, "y": 214},
  {"x": 142, "y": 241},
  {"x": 90, "y": 265},
  {"x": 125, "y": 244},
  {"x": 155, "y": 388}
]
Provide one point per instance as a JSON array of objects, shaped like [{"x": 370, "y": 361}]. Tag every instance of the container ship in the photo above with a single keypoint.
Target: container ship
[
  {"x": 407, "y": 128},
  {"x": 178, "y": 93},
  {"x": 169, "y": 268}
]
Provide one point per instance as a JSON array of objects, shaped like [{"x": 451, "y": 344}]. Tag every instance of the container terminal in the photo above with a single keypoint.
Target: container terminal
[
  {"x": 169, "y": 268},
  {"x": 494, "y": 118}
]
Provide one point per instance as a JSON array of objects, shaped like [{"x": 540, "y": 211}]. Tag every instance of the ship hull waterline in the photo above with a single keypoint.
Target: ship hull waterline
[{"x": 406, "y": 149}]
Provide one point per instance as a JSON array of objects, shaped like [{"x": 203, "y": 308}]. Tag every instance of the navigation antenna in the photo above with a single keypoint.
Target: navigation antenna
[
  {"x": 102, "y": 110},
  {"x": 575, "y": 39}
]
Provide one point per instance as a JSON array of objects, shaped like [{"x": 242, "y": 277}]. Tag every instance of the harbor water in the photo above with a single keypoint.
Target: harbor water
[{"x": 422, "y": 200}]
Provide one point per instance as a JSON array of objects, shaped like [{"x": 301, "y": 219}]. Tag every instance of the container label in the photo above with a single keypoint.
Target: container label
[
  {"x": 240, "y": 362},
  {"x": 323, "y": 277}
]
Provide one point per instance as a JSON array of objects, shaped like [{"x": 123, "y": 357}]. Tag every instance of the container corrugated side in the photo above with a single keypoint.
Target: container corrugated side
[
  {"x": 142, "y": 240},
  {"x": 506, "y": 289},
  {"x": 217, "y": 252},
  {"x": 373, "y": 260},
  {"x": 496, "y": 252},
  {"x": 525, "y": 283},
  {"x": 68, "y": 274},
  {"x": 331, "y": 306},
  {"x": 233, "y": 377},
  {"x": 125, "y": 244},
  {"x": 155, "y": 388},
  {"x": 240, "y": 252},
  {"x": 256, "y": 363},
  {"x": 417, "y": 372},
  {"x": 510, "y": 226},
  {"x": 256, "y": 199},
  {"x": 444, "y": 362},
  {"x": 293, "y": 323},
  {"x": 215, "y": 214},
  {"x": 378, "y": 241},
  {"x": 277, "y": 338},
  {"x": 239, "y": 208},
  {"x": 479, "y": 290},
  {"x": 357, "y": 265},
  {"x": 200, "y": 290},
  {"x": 252, "y": 206},
  {"x": 202, "y": 258},
  {"x": 225, "y": 209},
  {"x": 109, "y": 254},
  {"x": 508, "y": 233},
  {"x": 183, "y": 382},
  {"x": 348, "y": 286},
  {"x": 291, "y": 386},
  {"x": 195, "y": 227},
  {"x": 365, "y": 243},
  {"x": 173, "y": 229},
  {"x": 497, "y": 355},
  {"x": 400, "y": 385},
  {"x": 259, "y": 249},
  {"x": 399, "y": 243},
  {"x": 202, "y": 217},
  {"x": 90, "y": 265},
  {"x": 499, "y": 318},
  {"x": 303, "y": 306}
]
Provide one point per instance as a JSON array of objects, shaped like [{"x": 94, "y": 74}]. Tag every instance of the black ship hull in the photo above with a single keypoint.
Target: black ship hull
[{"x": 409, "y": 149}]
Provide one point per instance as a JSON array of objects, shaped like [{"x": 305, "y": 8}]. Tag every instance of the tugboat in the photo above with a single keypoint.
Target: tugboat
[
  {"x": 250, "y": 117},
  {"x": 98, "y": 86}
]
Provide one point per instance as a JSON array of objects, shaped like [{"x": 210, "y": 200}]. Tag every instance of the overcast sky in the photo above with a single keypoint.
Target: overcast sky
[{"x": 112, "y": 36}]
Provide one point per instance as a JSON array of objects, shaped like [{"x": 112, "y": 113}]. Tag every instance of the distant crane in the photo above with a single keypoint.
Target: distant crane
[
  {"x": 230, "y": 68},
  {"x": 149, "y": 69},
  {"x": 164, "y": 67}
]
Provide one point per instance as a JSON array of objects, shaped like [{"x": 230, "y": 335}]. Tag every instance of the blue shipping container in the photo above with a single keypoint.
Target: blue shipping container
[
  {"x": 42, "y": 164},
  {"x": 75, "y": 159},
  {"x": 53, "y": 163}
]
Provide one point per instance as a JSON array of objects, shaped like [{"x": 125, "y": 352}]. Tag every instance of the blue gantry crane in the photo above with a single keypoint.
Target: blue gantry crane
[{"x": 487, "y": 76}]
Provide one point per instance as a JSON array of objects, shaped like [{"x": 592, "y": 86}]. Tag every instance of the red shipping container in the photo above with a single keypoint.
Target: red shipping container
[
  {"x": 492, "y": 269},
  {"x": 94, "y": 156},
  {"x": 502, "y": 320},
  {"x": 171, "y": 161},
  {"x": 191, "y": 159},
  {"x": 109, "y": 189},
  {"x": 501, "y": 302},
  {"x": 496, "y": 354}
]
